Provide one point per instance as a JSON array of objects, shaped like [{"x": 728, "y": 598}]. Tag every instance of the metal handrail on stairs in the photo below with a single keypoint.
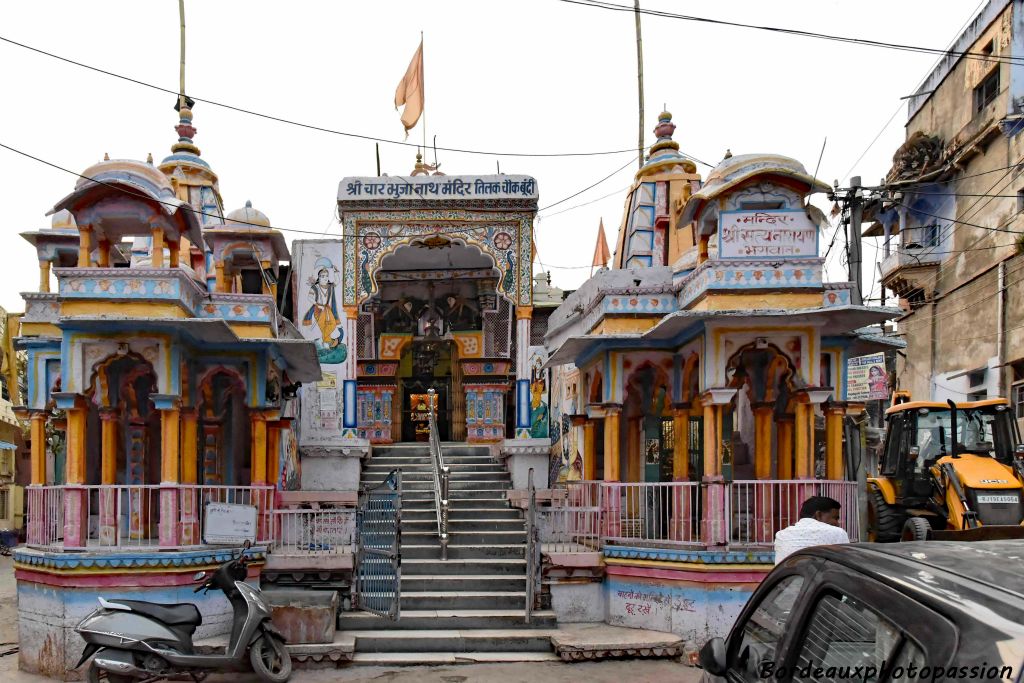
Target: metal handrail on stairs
[{"x": 440, "y": 477}]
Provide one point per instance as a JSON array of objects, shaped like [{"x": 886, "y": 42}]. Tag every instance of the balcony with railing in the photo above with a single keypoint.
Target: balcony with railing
[{"x": 586, "y": 518}]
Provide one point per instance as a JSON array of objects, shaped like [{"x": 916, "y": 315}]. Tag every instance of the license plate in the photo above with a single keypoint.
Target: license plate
[{"x": 997, "y": 499}]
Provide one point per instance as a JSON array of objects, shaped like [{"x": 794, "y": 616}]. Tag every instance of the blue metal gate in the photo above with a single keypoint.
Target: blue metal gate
[{"x": 378, "y": 570}]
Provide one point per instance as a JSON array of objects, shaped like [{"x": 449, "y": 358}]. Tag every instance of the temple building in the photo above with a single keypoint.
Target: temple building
[
  {"x": 686, "y": 383},
  {"x": 430, "y": 288},
  {"x": 158, "y": 381}
]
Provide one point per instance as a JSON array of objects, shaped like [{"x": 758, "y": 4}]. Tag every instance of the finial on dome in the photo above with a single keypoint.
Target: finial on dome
[
  {"x": 149, "y": 158},
  {"x": 728, "y": 154},
  {"x": 248, "y": 203},
  {"x": 186, "y": 131},
  {"x": 106, "y": 157},
  {"x": 664, "y": 131}
]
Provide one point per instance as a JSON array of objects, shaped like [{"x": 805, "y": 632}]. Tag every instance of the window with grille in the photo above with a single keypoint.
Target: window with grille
[
  {"x": 842, "y": 633},
  {"x": 987, "y": 90},
  {"x": 365, "y": 346},
  {"x": 499, "y": 342},
  {"x": 4, "y": 506}
]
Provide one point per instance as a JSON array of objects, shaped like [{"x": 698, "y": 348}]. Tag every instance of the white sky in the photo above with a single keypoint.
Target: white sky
[{"x": 523, "y": 76}]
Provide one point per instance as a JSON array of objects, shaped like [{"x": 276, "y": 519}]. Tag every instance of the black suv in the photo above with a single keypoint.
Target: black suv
[{"x": 929, "y": 610}]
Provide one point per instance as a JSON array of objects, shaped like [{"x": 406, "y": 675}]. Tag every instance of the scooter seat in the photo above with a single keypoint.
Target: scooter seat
[{"x": 182, "y": 614}]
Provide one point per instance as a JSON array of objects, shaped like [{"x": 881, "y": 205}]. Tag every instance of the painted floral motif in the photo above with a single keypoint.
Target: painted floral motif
[
  {"x": 503, "y": 240},
  {"x": 371, "y": 240}
]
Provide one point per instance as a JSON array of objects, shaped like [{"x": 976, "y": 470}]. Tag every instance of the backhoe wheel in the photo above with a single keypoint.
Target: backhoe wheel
[
  {"x": 916, "y": 529},
  {"x": 270, "y": 660},
  {"x": 884, "y": 522}
]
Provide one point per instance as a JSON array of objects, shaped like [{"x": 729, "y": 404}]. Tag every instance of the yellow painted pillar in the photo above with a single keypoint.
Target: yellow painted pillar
[
  {"x": 44, "y": 276},
  {"x": 803, "y": 441},
  {"x": 157, "y": 260},
  {"x": 258, "y": 433},
  {"x": 611, "y": 444},
  {"x": 170, "y": 456},
  {"x": 267, "y": 288},
  {"x": 680, "y": 444},
  {"x": 712, "y": 438},
  {"x": 175, "y": 253},
  {"x": 784, "y": 449},
  {"x": 763, "y": 441},
  {"x": 189, "y": 476},
  {"x": 75, "y": 462},
  {"x": 273, "y": 451},
  {"x": 589, "y": 451},
  {"x": 38, "y": 462},
  {"x": 108, "y": 497},
  {"x": 189, "y": 446},
  {"x": 834, "y": 414},
  {"x": 84, "y": 246},
  {"x": 108, "y": 446},
  {"x": 103, "y": 254},
  {"x": 702, "y": 255},
  {"x": 634, "y": 458},
  {"x": 222, "y": 284}
]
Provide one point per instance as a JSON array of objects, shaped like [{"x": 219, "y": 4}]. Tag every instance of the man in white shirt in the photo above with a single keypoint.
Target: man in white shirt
[{"x": 818, "y": 525}]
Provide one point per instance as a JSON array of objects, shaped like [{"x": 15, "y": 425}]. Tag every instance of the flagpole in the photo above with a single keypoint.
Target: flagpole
[{"x": 423, "y": 87}]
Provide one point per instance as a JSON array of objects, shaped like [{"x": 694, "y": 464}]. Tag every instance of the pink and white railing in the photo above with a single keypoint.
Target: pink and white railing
[
  {"x": 304, "y": 532},
  {"x": 80, "y": 517},
  {"x": 591, "y": 514}
]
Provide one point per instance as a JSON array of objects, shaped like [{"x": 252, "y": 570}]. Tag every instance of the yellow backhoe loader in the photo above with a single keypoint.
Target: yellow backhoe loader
[{"x": 948, "y": 471}]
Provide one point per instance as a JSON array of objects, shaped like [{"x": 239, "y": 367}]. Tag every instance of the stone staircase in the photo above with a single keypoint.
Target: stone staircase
[{"x": 471, "y": 607}]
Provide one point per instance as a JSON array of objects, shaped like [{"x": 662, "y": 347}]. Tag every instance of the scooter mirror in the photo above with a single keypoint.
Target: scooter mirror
[{"x": 199, "y": 576}]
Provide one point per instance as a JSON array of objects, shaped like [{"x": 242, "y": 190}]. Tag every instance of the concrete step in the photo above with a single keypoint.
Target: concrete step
[
  {"x": 424, "y": 501},
  {"x": 465, "y": 552},
  {"x": 493, "y": 494},
  {"x": 430, "y": 620},
  {"x": 448, "y": 658},
  {"x": 455, "y": 567},
  {"x": 458, "y": 485},
  {"x": 427, "y": 476},
  {"x": 456, "y": 525},
  {"x": 448, "y": 458},
  {"x": 383, "y": 470},
  {"x": 466, "y": 582},
  {"x": 454, "y": 641},
  {"x": 461, "y": 514},
  {"x": 423, "y": 450},
  {"x": 462, "y": 600},
  {"x": 456, "y": 537}
]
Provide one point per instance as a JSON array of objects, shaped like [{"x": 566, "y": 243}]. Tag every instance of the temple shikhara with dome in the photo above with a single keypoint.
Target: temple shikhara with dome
[{"x": 186, "y": 362}]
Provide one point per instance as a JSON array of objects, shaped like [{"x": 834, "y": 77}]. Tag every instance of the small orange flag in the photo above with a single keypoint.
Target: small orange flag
[
  {"x": 410, "y": 91},
  {"x": 601, "y": 254}
]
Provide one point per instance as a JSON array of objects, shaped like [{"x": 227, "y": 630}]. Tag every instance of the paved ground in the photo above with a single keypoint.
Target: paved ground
[{"x": 611, "y": 671}]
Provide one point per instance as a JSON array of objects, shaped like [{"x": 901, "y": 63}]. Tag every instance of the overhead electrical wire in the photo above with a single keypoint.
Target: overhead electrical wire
[
  {"x": 600, "y": 4},
  {"x": 310, "y": 126},
  {"x": 198, "y": 212}
]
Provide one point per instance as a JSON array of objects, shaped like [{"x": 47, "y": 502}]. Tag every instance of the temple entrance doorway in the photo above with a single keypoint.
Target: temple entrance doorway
[
  {"x": 426, "y": 365},
  {"x": 436, "y": 310}
]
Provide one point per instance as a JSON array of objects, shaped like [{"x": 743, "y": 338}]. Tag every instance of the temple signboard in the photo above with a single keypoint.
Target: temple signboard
[
  {"x": 438, "y": 187},
  {"x": 770, "y": 234}
]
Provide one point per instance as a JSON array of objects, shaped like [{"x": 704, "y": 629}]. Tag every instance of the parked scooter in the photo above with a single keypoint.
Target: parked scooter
[{"x": 134, "y": 640}]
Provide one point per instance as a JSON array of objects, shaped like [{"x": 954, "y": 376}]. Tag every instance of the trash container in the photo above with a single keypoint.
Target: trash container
[{"x": 304, "y": 616}]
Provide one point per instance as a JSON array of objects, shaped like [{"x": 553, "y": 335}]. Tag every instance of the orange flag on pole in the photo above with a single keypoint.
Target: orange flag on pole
[
  {"x": 601, "y": 254},
  {"x": 410, "y": 91}
]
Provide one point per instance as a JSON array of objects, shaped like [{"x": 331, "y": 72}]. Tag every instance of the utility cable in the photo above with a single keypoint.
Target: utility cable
[
  {"x": 599, "y": 4},
  {"x": 310, "y": 126}
]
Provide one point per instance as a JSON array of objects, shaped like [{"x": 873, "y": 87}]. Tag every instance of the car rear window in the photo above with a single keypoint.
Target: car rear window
[{"x": 845, "y": 640}]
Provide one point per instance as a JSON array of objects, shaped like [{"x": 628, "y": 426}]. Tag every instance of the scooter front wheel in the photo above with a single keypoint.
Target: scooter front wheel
[{"x": 270, "y": 660}]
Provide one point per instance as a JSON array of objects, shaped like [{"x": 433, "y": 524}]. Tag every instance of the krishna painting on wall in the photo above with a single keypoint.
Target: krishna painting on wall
[{"x": 323, "y": 312}]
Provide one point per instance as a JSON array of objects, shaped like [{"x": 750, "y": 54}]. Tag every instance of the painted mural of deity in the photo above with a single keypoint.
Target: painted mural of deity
[
  {"x": 323, "y": 312},
  {"x": 538, "y": 396},
  {"x": 289, "y": 476}
]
